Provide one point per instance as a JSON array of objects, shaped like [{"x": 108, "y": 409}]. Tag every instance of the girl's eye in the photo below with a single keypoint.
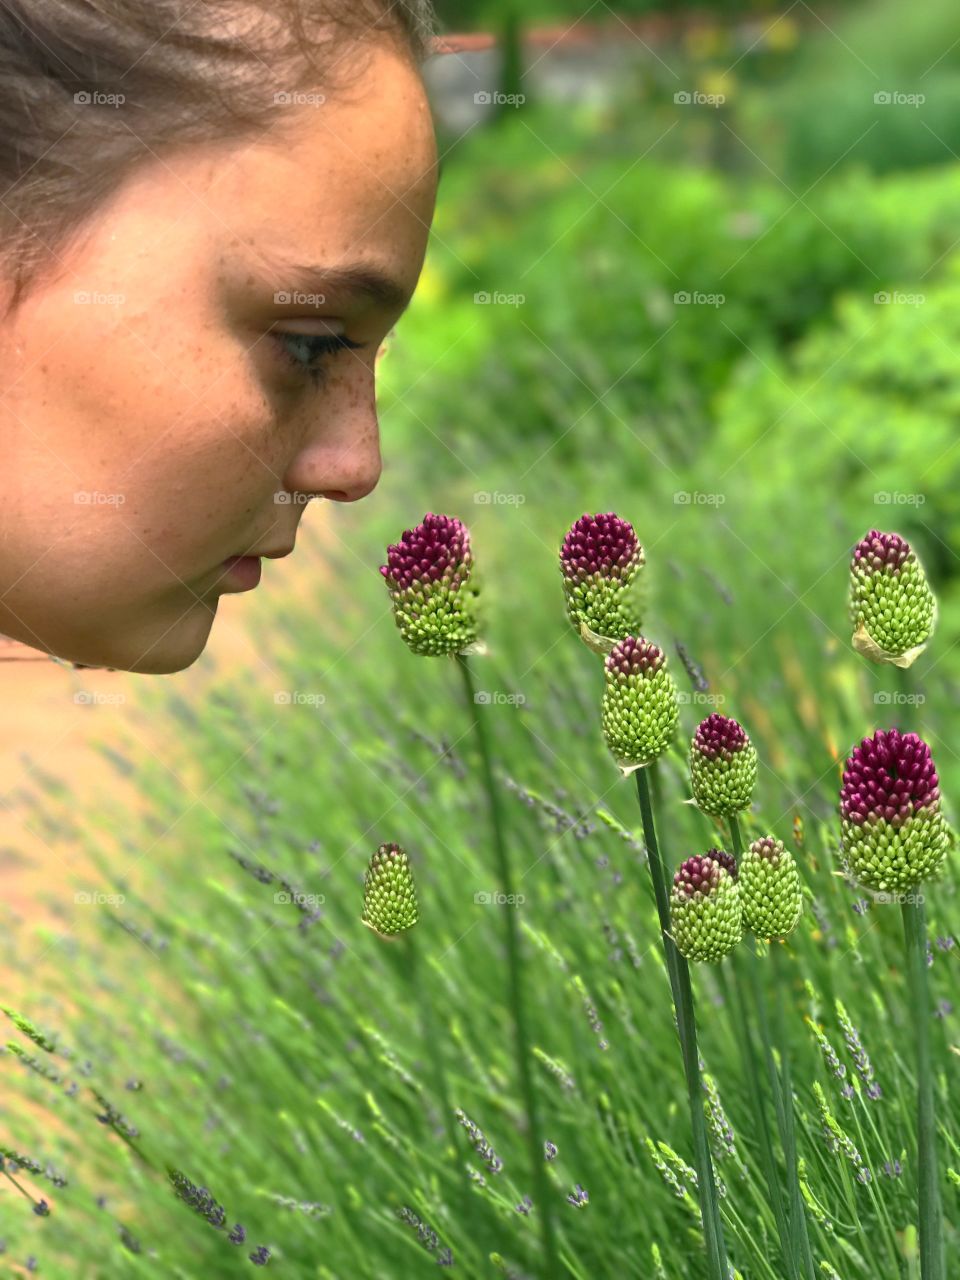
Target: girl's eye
[{"x": 305, "y": 351}]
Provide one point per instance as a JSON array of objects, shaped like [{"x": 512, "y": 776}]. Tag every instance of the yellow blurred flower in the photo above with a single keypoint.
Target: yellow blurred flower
[
  {"x": 705, "y": 42},
  {"x": 719, "y": 83},
  {"x": 781, "y": 35}
]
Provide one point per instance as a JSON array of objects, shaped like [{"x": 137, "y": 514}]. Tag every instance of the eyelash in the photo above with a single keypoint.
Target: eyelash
[{"x": 323, "y": 344}]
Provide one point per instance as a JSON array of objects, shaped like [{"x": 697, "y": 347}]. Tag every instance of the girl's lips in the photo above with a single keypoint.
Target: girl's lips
[{"x": 244, "y": 571}]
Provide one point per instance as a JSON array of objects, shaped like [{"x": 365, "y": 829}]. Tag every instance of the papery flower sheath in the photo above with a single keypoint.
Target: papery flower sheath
[
  {"x": 706, "y": 918},
  {"x": 600, "y": 562},
  {"x": 429, "y": 574},
  {"x": 770, "y": 892},
  {"x": 640, "y": 710},
  {"x": 389, "y": 895},
  {"x": 892, "y": 609},
  {"x": 893, "y": 831},
  {"x": 723, "y": 766}
]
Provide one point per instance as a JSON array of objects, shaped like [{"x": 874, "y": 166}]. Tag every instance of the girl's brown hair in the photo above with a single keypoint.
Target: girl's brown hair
[{"x": 91, "y": 88}]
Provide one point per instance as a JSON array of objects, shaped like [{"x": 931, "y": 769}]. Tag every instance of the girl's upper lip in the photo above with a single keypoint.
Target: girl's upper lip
[{"x": 275, "y": 554}]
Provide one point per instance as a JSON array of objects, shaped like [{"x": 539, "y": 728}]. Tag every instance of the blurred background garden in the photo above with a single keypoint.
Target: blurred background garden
[{"x": 698, "y": 266}]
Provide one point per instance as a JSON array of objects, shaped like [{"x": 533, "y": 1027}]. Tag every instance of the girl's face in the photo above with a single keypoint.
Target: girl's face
[{"x": 168, "y": 392}]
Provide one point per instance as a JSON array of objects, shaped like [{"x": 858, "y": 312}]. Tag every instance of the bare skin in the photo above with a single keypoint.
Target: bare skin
[{"x": 161, "y": 426}]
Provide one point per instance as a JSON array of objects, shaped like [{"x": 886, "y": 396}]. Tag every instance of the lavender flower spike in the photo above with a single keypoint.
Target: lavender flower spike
[
  {"x": 893, "y": 832},
  {"x": 723, "y": 766},
  {"x": 705, "y": 913},
  {"x": 640, "y": 711},
  {"x": 892, "y": 609},
  {"x": 389, "y": 896},
  {"x": 600, "y": 562},
  {"x": 429, "y": 577}
]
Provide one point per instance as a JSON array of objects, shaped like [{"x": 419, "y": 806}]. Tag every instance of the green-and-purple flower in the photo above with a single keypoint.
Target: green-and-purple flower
[
  {"x": 723, "y": 766},
  {"x": 428, "y": 573},
  {"x": 601, "y": 561},
  {"x": 389, "y": 895},
  {"x": 640, "y": 711},
  {"x": 706, "y": 918},
  {"x": 892, "y": 609},
  {"x": 770, "y": 892},
  {"x": 893, "y": 831}
]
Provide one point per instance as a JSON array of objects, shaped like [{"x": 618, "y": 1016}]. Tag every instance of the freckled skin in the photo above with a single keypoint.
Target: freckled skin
[{"x": 173, "y": 398}]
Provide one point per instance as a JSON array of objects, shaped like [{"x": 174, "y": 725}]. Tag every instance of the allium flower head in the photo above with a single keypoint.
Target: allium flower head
[
  {"x": 723, "y": 766},
  {"x": 389, "y": 896},
  {"x": 601, "y": 562},
  {"x": 640, "y": 710},
  {"x": 770, "y": 890},
  {"x": 894, "y": 834},
  {"x": 706, "y": 918},
  {"x": 428, "y": 574},
  {"x": 892, "y": 609}
]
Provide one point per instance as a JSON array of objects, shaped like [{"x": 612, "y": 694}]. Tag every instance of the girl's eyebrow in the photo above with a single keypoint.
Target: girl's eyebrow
[{"x": 352, "y": 277}]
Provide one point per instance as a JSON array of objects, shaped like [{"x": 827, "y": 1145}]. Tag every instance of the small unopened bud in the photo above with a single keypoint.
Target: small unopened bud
[
  {"x": 640, "y": 711},
  {"x": 723, "y": 766},
  {"x": 893, "y": 832},
  {"x": 601, "y": 561},
  {"x": 705, "y": 914},
  {"x": 429, "y": 577},
  {"x": 389, "y": 895},
  {"x": 770, "y": 892},
  {"x": 892, "y": 609}
]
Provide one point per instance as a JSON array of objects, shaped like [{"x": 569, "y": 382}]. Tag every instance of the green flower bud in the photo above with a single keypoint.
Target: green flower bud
[
  {"x": 601, "y": 561},
  {"x": 389, "y": 896},
  {"x": 706, "y": 918},
  {"x": 770, "y": 892},
  {"x": 428, "y": 575},
  {"x": 893, "y": 832},
  {"x": 723, "y": 766},
  {"x": 640, "y": 711},
  {"x": 892, "y": 609}
]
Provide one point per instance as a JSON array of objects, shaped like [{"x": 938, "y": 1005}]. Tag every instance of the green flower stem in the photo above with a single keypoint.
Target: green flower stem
[
  {"x": 798, "y": 1219},
  {"x": 679, "y": 973},
  {"x": 931, "y": 1218},
  {"x": 432, "y": 1042},
  {"x": 760, "y": 1118},
  {"x": 521, "y": 1036},
  {"x": 797, "y": 1252}
]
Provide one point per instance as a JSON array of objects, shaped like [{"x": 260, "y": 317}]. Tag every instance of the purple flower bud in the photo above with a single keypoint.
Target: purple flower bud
[
  {"x": 600, "y": 562},
  {"x": 723, "y": 766},
  {"x": 640, "y": 712},
  {"x": 436, "y": 550},
  {"x": 888, "y": 777},
  {"x": 879, "y": 552},
  {"x": 893, "y": 833},
  {"x": 706, "y": 917},
  {"x": 726, "y": 860},
  {"x": 634, "y": 656},
  {"x": 428, "y": 575},
  {"x": 600, "y": 544},
  {"x": 892, "y": 609}
]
